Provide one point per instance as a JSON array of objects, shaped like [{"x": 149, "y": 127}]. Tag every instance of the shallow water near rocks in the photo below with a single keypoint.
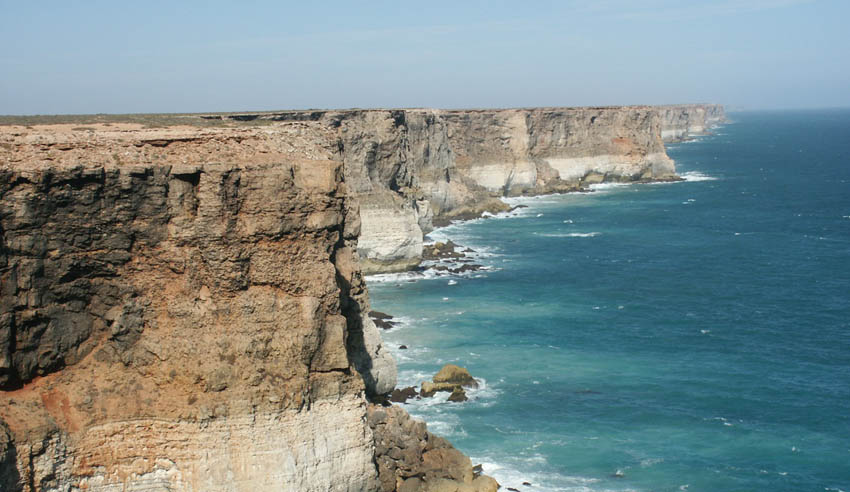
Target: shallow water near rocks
[{"x": 683, "y": 336}]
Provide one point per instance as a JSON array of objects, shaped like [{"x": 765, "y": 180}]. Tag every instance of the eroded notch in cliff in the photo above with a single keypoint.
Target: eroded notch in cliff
[
  {"x": 183, "y": 191},
  {"x": 229, "y": 193}
]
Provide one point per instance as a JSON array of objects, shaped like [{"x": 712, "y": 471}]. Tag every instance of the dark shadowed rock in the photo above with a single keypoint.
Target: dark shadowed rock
[
  {"x": 382, "y": 320},
  {"x": 458, "y": 395},
  {"x": 403, "y": 394}
]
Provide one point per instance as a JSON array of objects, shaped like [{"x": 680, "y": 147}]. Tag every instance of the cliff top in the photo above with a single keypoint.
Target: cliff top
[
  {"x": 116, "y": 143},
  {"x": 254, "y": 118}
]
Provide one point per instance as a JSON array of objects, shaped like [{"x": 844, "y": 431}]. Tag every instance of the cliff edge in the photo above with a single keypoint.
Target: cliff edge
[
  {"x": 415, "y": 168},
  {"x": 182, "y": 309}
]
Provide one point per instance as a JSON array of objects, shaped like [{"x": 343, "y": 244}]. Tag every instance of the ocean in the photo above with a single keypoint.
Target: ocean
[{"x": 654, "y": 337}]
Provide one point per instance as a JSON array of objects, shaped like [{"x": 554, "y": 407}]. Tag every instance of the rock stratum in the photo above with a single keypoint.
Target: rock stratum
[{"x": 183, "y": 308}]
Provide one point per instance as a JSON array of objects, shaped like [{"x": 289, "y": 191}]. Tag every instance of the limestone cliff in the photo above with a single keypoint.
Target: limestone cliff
[
  {"x": 416, "y": 167},
  {"x": 680, "y": 122},
  {"x": 182, "y": 309}
]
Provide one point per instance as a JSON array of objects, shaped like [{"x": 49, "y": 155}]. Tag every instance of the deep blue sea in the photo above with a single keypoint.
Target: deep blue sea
[{"x": 686, "y": 336}]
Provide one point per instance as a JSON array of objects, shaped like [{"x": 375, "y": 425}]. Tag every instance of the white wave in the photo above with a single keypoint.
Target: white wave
[
  {"x": 399, "y": 277},
  {"x": 696, "y": 176},
  {"x": 412, "y": 377},
  {"x": 428, "y": 272},
  {"x": 508, "y": 214},
  {"x": 452, "y": 282},
  {"x": 530, "y": 201},
  {"x": 455, "y": 228},
  {"x": 515, "y": 474},
  {"x": 608, "y": 186},
  {"x": 567, "y": 234},
  {"x": 484, "y": 394}
]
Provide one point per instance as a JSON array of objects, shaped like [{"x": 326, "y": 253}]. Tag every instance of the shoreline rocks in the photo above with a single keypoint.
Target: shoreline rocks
[
  {"x": 450, "y": 379},
  {"x": 410, "y": 458},
  {"x": 382, "y": 320}
]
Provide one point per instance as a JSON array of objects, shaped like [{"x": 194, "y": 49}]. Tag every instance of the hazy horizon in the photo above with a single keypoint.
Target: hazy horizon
[{"x": 158, "y": 57}]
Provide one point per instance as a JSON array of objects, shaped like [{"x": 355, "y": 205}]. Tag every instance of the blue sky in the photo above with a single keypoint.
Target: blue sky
[{"x": 157, "y": 56}]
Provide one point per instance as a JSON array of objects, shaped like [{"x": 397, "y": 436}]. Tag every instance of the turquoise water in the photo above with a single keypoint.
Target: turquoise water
[{"x": 688, "y": 336}]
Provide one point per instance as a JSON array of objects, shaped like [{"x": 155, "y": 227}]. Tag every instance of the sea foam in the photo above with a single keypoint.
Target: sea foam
[{"x": 697, "y": 176}]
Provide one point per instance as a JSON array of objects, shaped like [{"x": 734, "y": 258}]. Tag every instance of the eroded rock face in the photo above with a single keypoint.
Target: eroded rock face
[
  {"x": 416, "y": 168},
  {"x": 516, "y": 151},
  {"x": 183, "y": 309},
  {"x": 460, "y": 162}
]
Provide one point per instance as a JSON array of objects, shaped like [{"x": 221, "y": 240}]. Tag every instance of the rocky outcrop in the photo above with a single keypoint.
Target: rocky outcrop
[
  {"x": 412, "y": 459},
  {"x": 681, "y": 121},
  {"x": 451, "y": 379},
  {"x": 183, "y": 310}
]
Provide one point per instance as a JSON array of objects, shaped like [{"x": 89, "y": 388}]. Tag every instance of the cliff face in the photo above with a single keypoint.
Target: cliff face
[
  {"x": 678, "y": 122},
  {"x": 540, "y": 150},
  {"x": 414, "y": 168},
  {"x": 183, "y": 310}
]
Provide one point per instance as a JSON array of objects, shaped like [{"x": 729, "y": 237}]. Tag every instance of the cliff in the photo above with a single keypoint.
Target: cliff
[
  {"x": 182, "y": 304},
  {"x": 681, "y": 121},
  {"x": 182, "y": 309},
  {"x": 414, "y": 168}
]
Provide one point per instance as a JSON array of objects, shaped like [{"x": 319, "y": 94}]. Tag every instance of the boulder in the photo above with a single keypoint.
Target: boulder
[
  {"x": 458, "y": 395},
  {"x": 428, "y": 388},
  {"x": 455, "y": 375}
]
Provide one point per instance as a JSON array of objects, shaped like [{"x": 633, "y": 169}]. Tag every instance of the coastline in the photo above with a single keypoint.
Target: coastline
[
  {"x": 522, "y": 207},
  {"x": 270, "y": 215}
]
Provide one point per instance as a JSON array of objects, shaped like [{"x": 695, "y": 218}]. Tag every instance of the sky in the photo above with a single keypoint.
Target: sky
[{"x": 67, "y": 57}]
